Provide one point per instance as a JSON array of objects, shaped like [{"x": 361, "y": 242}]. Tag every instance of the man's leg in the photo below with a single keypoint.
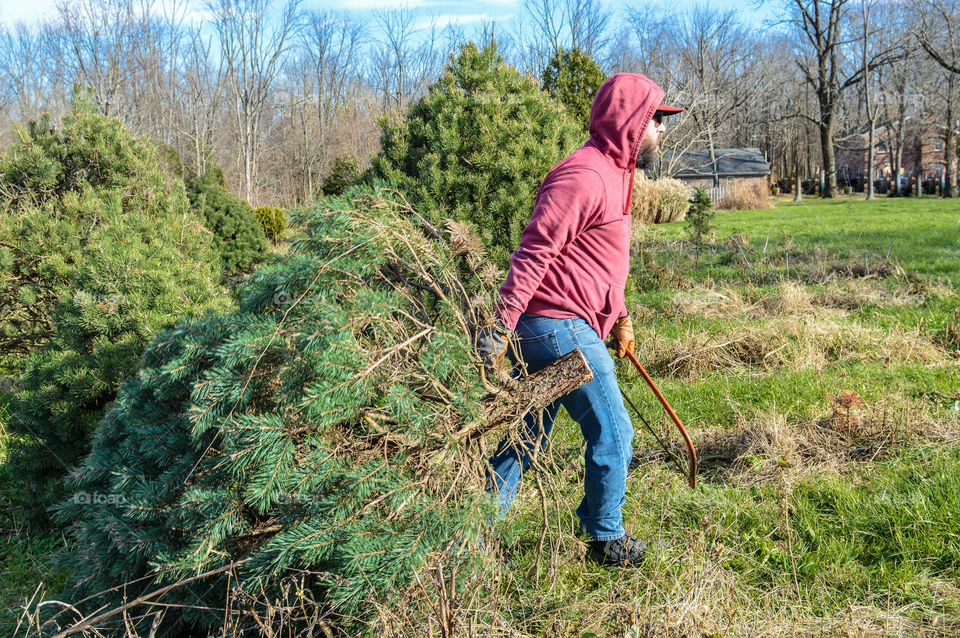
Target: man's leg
[
  {"x": 598, "y": 407},
  {"x": 541, "y": 341},
  {"x": 515, "y": 454}
]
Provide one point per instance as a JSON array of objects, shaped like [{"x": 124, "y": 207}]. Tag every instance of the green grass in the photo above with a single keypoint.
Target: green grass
[
  {"x": 771, "y": 542},
  {"x": 25, "y": 556},
  {"x": 922, "y": 235},
  {"x": 768, "y": 542}
]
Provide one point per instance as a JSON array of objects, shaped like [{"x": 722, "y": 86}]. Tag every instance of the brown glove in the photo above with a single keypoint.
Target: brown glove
[
  {"x": 622, "y": 334},
  {"x": 492, "y": 343}
]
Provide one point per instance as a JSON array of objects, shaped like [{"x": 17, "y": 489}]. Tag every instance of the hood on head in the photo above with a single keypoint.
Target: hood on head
[{"x": 621, "y": 110}]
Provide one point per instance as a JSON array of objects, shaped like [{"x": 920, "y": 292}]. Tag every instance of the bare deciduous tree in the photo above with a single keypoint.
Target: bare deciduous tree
[
  {"x": 99, "y": 35},
  {"x": 938, "y": 33},
  {"x": 252, "y": 45},
  {"x": 200, "y": 96},
  {"x": 828, "y": 65}
]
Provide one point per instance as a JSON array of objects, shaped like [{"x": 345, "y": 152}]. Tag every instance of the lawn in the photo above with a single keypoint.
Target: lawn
[{"x": 813, "y": 352}]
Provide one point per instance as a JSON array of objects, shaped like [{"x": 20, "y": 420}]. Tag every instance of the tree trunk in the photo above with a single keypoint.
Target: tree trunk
[
  {"x": 949, "y": 146},
  {"x": 529, "y": 394},
  {"x": 797, "y": 192},
  {"x": 868, "y": 174},
  {"x": 892, "y": 191},
  {"x": 898, "y": 163},
  {"x": 829, "y": 158}
]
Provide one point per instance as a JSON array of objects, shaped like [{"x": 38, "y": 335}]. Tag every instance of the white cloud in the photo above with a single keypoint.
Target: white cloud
[
  {"x": 13, "y": 11},
  {"x": 366, "y": 5},
  {"x": 445, "y": 20}
]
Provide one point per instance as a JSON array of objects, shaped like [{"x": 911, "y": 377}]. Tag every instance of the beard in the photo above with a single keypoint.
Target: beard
[{"x": 646, "y": 156}]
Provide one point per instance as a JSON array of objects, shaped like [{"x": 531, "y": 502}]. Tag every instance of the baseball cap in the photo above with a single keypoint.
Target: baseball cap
[{"x": 666, "y": 109}]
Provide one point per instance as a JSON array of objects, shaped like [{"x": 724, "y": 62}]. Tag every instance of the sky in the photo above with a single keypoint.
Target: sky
[{"x": 465, "y": 12}]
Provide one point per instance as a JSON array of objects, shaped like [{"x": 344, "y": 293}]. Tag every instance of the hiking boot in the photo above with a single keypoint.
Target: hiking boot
[{"x": 625, "y": 551}]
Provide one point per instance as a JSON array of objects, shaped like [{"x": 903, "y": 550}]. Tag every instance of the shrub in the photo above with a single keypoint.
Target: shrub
[
  {"x": 99, "y": 255},
  {"x": 743, "y": 195},
  {"x": 699, "y": 218},
  {"x": 237, "y": 235},
  {"x": 477, "y": 147},
  {"x": 573, "y": 77},
  {"x": 343, "y": 174},
  {"x": 320, "y": 432},
  {"x": 273, "y": 220},
  {"x": 658, "y": 201}
]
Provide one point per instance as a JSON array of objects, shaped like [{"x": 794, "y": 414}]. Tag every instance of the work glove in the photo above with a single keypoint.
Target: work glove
[
  {"x": 492, "y": 343},
  {"x": 622, "y": 334}
]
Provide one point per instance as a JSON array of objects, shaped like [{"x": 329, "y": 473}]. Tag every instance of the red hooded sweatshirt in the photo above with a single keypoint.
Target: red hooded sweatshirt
[{"x": 574, "y": 253}]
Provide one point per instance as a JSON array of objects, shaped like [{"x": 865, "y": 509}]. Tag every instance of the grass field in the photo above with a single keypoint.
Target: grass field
[
  {"x": 814, "y": 357},
  {"x": 813, "y": 351}
]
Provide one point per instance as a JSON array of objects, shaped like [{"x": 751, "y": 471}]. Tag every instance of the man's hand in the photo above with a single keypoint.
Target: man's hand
[
  {"x": 622, "y": 334},
  {"x": 492, "y": 343}
]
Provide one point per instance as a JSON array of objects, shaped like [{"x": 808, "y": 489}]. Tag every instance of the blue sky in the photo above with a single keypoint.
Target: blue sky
[{"x": 465, "y": 12}]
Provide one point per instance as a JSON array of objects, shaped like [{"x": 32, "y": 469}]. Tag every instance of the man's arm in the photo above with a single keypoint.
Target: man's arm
[{"x": 566, "y": 206}]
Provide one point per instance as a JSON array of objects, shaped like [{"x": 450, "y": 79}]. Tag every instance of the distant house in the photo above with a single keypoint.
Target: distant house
[
  {"x": 731, "y": 165},
  {"x": 923, "y": 155}
]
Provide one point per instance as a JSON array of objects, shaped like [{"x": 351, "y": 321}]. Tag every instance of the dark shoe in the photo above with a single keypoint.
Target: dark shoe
[{"x": 625, "y": 551}]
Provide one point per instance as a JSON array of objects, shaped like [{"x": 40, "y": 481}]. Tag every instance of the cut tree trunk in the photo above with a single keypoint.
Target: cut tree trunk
[{"x": 529, "y": 394}]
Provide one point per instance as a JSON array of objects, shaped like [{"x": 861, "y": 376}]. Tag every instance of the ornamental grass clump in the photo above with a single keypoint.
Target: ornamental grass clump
[
  {"x": 745, "y": 196},
  {"x": 658, "y": 201},
  {"x": 320, "y": 439}
]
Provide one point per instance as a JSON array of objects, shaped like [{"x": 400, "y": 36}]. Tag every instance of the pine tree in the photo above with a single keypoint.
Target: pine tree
[
  {"x": 699, "y": 218},
  {"x": 238, "y": 237},
  {"x": 573, "y": 77},
  {"x": 322, "y": 426},
  {"x": 273, "y": 221},
  {"x": 99, "y": 254},
  {"x": 477, "y": 147},
  {"x": 343, "y": 174}
]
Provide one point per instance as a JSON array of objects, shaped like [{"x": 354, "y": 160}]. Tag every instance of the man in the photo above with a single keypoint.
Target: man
[{"x": 565, "y": 290}]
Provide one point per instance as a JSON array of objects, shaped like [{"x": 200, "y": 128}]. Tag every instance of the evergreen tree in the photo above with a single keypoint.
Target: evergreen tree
[
  {"x": 573, "y": 77},
  {"x": 273, "y": 220},
  {"x": 99, "y": 254},
  {"x": 238, "y": 236},
  {"x": 700, "y": 218},
  {"x": 343, "y": 174},
  {"x": 477, "y": 147},
  {"x": 323, "y": 426}
]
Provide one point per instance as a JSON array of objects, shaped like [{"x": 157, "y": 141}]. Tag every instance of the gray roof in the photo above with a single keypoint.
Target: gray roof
[{"x": 731, "y": 162}]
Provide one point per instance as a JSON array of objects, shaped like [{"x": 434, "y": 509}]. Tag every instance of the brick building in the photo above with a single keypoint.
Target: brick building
[{"x": 923, "y": 154}]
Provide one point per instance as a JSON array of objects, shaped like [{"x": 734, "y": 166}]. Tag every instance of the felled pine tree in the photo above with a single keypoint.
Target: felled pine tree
[
  {"x": 317, "y": 435},
  {"x": 477, "y": 147},
  {"x": 97, "y": 254}
]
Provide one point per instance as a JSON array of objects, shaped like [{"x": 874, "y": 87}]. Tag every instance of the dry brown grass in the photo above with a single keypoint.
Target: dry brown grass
[
  {"x": 658, "y": 201},
  {"x": 745, "y": 196},
  {"x": 792, "y": 299},
  {"x": 802, "y": 342},
  {"x": 769, "y": 447},
  {"x": 788, "y": 327},
  {"x": 711, "y": 302},
  {"x": 854, "y": 294}
]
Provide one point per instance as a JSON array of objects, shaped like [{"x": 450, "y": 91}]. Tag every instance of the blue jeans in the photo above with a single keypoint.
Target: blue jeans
[{"x": 597, "y": 406}]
